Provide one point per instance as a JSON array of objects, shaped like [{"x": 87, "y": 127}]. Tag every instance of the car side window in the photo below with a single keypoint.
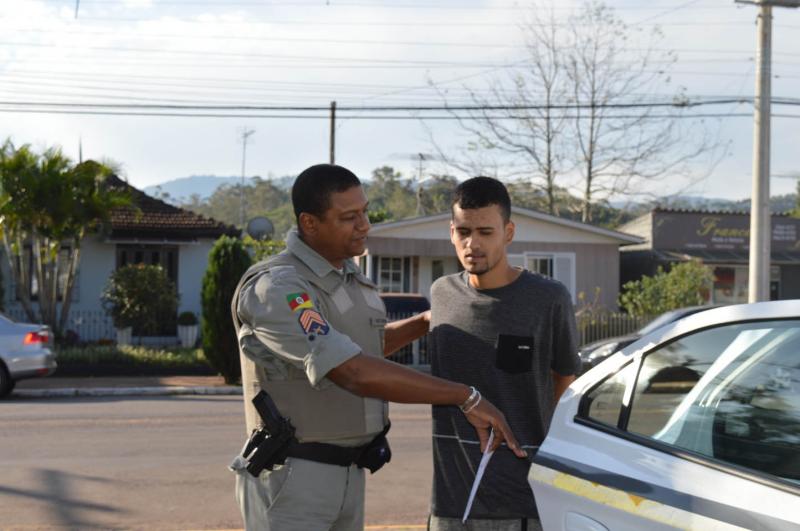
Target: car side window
[
  {"x": 604, "y": 403},
  {"x": 731, "y": 393}
]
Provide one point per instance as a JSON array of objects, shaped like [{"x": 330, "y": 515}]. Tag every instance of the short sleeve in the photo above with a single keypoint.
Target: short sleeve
[
  {"x": 277, "y": 308},
  {"x": 566, "y": 361}
]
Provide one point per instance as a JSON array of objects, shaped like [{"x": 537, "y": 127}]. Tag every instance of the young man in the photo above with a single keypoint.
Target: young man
[
  {"x": 508, "y": 332},
  {"x": 312, "y": 333}
]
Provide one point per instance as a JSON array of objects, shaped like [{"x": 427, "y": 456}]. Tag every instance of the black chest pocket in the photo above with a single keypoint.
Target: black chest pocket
[{"x": 514, "y": 353}]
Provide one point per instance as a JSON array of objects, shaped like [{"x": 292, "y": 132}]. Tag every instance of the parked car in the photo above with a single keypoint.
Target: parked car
[
  {"x": 593, "y": 353},
  {"x": 694, "y": 426},
  {"x": 25, "y": 352},
  {"x": 404, "y": 304}
]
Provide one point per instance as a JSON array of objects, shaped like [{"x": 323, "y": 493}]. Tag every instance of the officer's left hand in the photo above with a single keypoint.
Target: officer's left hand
[{"x": 485, "y": 417}]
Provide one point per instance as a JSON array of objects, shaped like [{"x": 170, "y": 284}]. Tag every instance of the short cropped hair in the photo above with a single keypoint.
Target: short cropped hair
[
  {"x": 311, "y": 192},
  {"x": 480, "y": 192}
]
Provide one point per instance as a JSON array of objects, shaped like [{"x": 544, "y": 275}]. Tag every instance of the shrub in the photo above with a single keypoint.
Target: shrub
[
  {"x": 686, "y": 284},
  {"x": 227, "y": 262},
  {"x": 187, "y": 319},
  {"x": 141, "y": 296}
]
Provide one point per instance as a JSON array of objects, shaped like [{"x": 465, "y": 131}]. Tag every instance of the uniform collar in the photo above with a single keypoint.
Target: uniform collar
[{"x": 319, "y": 265}]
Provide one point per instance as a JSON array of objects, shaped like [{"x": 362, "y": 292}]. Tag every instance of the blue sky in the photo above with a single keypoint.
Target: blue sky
[{"x": 357, "y": 52}]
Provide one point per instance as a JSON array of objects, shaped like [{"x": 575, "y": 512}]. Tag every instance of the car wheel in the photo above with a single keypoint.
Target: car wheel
[{"x": 6, "y": 383}]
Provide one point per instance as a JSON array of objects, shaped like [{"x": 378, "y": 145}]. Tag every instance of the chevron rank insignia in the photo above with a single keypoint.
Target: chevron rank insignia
[
  {"x": 299, "y": 301},
  {"x": 313, "y": 324}
]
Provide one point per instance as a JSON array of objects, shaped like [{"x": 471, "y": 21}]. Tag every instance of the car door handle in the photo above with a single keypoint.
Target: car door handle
[{"x": 579, "y": 522}]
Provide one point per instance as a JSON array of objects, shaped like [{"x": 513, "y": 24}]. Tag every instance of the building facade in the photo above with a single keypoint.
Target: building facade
[{"x": 720, "y": 240}]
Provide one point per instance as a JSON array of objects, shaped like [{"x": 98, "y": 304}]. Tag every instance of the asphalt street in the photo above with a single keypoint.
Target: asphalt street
[{"x": 160, "y": 463}]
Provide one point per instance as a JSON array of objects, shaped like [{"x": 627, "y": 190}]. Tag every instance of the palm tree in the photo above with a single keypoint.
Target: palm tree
[{"x": 47, "y": 205}]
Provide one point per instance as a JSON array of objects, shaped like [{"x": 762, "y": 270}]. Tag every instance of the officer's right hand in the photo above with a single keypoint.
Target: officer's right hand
[{"x": 485, "y": 417}]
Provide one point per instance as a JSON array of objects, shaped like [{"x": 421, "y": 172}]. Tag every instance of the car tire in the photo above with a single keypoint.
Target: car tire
[{"x": 6, "y": 383}]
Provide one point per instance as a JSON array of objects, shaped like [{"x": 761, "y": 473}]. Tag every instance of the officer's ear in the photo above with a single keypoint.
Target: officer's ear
[{"x": 308, "y": 224}]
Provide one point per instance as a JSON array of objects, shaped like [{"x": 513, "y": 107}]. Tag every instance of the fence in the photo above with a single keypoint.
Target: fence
[
  {"x": 90, "y": 325},
  {"x": 590, "y": 328},
  {"x": 415, "y": 354},
  {"x": 600, "y": 326}
]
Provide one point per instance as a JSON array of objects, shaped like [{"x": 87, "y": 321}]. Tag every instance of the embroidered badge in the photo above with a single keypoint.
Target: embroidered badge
[
  {"x": 313, "y": 323},
  {"x": 298, "y": 301}
]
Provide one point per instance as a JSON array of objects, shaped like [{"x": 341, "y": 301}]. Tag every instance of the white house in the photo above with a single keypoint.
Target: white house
[
  {"x": 153, "y": 233},
  {"x": 407, "y": 256}
]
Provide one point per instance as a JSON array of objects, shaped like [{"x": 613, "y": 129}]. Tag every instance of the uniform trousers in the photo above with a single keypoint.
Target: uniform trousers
[{"x": 302, "y": 495}]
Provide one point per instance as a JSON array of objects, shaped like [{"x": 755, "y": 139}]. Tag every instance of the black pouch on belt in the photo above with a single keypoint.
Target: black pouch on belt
[{"x": 377, "y": 453}]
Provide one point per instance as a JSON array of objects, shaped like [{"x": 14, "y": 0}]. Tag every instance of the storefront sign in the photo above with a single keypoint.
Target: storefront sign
[{"x": 729, "y": 232}]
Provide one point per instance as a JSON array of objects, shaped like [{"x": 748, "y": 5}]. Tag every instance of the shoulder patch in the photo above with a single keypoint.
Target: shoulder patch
[
  {"x": 299, "y": 301},
  {"x": 313, "y": 324}
]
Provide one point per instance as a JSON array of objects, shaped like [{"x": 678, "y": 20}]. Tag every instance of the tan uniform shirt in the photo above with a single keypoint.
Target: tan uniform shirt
[{"x": 300, "y": 317}]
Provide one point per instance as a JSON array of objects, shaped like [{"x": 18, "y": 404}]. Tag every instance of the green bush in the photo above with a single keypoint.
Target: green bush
[
  {"x": 141, "y": 296},
  {"x": 686, "y": 284},
  {"x": 187, "y": 319},
  {"x": 227, "y": 262},
  {"x": 127, "y": 360}
]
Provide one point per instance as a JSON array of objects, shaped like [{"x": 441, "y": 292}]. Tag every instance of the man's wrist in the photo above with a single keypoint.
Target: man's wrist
[{"x": 472, "y": 400}]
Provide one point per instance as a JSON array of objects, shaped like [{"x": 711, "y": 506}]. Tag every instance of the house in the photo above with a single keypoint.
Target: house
[
  {"x": 152, "y": 233},
  {"x": 722, "y": 241},
  {"x": 408, "y": 255}
]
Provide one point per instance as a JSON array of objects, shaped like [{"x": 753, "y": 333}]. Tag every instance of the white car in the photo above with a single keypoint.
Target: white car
[
  {"x": 25, "y": 352},
  {"x": 695, "y": 426}
]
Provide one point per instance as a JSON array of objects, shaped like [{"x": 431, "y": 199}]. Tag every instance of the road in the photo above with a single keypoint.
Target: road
[{"x": 160, "y": 463}]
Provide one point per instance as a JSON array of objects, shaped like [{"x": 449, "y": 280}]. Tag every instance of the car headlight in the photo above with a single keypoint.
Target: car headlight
[{"x": 602, "y": 352}]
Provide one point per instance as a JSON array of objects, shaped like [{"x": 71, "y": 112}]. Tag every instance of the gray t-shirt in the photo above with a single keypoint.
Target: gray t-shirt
[{"x": 505, "y": 342}]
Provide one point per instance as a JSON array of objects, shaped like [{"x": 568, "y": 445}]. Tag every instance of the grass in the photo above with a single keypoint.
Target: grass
[{"x": 107, "y": 360}]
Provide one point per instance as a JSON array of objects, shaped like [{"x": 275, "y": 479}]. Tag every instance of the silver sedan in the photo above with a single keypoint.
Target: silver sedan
[
  {"x": 695, "y": 426},
  {"x": 25, "y": 352}
]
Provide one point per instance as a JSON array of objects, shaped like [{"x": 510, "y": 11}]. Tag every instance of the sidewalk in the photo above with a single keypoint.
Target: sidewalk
[{"x": 123, "y": 386}]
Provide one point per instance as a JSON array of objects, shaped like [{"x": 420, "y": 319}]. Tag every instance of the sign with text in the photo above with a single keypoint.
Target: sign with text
[{"x": 718, "y": 232}]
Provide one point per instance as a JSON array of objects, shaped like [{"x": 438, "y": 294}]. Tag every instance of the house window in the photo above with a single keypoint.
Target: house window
[
  {"x": 437, "y": 269},
  {"x": 390, "y": 273},
  {"x": 541, "y": 264},
  {"x": 558, "y": 266},
  {"x": 164, "y": 255}
]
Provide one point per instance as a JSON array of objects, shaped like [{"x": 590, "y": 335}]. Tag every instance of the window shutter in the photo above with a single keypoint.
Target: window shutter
[
  {"x": 564, "y": 271},
  {"x": 516, "y": 260}
]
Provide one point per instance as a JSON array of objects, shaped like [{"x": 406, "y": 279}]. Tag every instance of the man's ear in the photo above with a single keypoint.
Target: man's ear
[
  {"x": 452, "y": 233},
  {"x": 510, "y": 228},
  {"x": 308, "y": 223}
]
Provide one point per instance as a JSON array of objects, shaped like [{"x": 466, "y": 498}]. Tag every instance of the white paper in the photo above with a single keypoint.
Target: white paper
[{"x": 487, "y": 454}]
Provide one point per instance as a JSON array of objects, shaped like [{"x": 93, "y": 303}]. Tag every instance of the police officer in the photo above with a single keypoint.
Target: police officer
[{"x": 312, "y": 332}]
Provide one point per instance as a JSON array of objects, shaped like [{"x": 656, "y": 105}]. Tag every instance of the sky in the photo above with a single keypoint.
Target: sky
[{"x": 359, "y": 53}]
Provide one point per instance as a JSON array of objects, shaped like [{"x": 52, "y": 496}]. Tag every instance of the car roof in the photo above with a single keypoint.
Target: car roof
[{"x": 758, "y": 311}]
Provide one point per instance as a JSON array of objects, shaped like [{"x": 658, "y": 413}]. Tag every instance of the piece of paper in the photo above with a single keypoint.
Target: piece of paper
[{"x": 487, "y": 454}]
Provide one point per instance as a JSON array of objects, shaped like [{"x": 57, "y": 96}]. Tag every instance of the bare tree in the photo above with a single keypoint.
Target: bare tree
[{"x": 579, "y": 113}]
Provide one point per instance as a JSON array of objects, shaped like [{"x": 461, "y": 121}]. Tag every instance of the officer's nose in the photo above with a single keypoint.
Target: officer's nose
[{"x": 363, "y": 222}]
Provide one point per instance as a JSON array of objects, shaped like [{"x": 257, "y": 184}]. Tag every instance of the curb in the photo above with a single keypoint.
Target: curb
[{"x": 68, "y": 392}]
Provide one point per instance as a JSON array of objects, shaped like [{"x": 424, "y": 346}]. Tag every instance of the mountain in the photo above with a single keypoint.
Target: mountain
[
  {"x": 778, "y": 204},
  {"x": 181, "y": 189}
]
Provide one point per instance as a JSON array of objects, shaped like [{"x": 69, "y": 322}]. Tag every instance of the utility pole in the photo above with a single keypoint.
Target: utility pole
[
  {"x": 760, "y": 220},
  {"x": 333, "y": 133},
  {"x": 246, "y": 134},
  {"x": 419, "y": 185}
]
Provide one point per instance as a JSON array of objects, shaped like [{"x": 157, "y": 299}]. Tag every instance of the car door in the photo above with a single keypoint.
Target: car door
[{"x": 699, "y": 432}]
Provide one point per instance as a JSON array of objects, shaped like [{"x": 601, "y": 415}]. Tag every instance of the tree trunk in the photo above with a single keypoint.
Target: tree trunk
[
  {"x": 66, "y": 296},
  {"x": 17, "y": 270}
]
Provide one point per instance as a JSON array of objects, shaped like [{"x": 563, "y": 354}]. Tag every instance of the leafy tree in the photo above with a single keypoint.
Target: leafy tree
[
  {"x": 686, "y": 284},
  {"x": 554, "y": 121},
  {"x": 263, "y": 249},
  {"x": 227, "y": 262},
  {"x": 796, "y": 212},
  {"x": 141, "y": 296},
  {"x": 47, "y": 206}
]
